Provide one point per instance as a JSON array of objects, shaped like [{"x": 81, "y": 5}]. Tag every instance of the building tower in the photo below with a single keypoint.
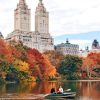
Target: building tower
[
  {"x": 95, "y": 44},
  {"x": 41, "y": 19},
  {"x": 22, "y": 17},
  {"x": 42, "y": 27},
  {"x": 67, "y": 41},
  {"x": 39, "y": 39}
]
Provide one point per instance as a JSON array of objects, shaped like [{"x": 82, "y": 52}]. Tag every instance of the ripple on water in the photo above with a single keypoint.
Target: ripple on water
[{"x": 21, "y": 97}]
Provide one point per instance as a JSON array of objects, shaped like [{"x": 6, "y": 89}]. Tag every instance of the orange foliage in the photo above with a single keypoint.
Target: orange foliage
[
  {"x": 36, "y": 63},
  {"x": 3, "y": 47},
  {"x": 6, "y": 51},
  {"x": 95, "y": 57},
  {"x": 88, "y": 62},
  {"x": 40, "y": 65},
  {"x": 49, "y": 69},
  {"x": 92, "y": 60}
]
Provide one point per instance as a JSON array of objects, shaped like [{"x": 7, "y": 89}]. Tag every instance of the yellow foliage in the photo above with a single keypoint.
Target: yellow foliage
[
  {"x": 21, "y": 65},
  {"x": 33, "y": 79}
]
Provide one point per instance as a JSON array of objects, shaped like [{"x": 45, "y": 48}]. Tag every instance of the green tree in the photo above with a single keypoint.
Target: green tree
[{"x": 70, "y": 67}]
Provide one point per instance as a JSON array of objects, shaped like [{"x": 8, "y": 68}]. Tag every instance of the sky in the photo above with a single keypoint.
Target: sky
[{"x": 77, "y": 20}]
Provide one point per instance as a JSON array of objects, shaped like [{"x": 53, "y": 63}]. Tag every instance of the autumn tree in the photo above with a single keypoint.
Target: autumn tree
[
  {"x": 17, "y": 60},
  {"x": 40, "y": 65},
  {"x": 55, "y": 57},
  {"x": 49, "y": 70},
  {"x": 92, "y": 64},
  {"x": 88, "y": 66},
  {"x": 5, "y": 51}
]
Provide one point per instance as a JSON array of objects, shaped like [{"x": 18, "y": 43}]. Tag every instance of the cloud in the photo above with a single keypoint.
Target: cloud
[
  {"x": 78, "y": 16},
  {"x": 81, "y": 42},
  {"x": 75, "y": 41},
  {"x": 66, "y": 16}
]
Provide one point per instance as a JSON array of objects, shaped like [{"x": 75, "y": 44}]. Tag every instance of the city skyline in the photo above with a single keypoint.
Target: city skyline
[{"x": 77, "y": 20}]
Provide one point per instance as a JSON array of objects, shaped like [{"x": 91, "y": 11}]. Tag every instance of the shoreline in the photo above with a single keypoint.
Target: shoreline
[
  {"x": 82, "y": 80},
  {"x": 87, "y": 80}
]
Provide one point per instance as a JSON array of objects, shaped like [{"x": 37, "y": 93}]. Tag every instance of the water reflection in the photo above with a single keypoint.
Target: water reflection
[
  {"x": 86, "y": 90},
  {"x": 89, "y": 90}
]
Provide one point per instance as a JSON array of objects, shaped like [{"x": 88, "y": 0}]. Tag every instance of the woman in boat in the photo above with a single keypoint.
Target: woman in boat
[{"x": 60, "y": 90}]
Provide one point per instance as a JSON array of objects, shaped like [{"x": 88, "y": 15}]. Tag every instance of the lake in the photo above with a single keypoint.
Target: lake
[{"x": 86, "y": 90}]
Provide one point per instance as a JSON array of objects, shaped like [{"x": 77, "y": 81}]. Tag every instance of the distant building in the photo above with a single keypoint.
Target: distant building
[
  {"x": 84, "y": 53},
  {"x": 1, "y": 36},
  {"x": 68, "y": 48},
  {"x": 39, "y": 39},
  {"x": 95, "y": 46}
]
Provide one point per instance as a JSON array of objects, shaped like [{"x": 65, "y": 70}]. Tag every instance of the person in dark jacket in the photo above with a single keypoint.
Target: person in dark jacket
[{"x": 53, "y": 90}]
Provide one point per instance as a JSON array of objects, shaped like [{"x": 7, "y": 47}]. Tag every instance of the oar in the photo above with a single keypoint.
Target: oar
[
  {"x": 67, "y": 90},
  {"x": 46, "y": 95}
]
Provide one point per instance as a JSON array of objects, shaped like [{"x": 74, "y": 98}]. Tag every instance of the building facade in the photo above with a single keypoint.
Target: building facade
[
  {"x": 68, "y": 48},
  {"x": 84, "y": 53},
  {"x": 40, "y": 39}
]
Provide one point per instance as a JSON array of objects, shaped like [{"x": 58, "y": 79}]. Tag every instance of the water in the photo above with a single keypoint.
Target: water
[{"x": 86, "y": 90}]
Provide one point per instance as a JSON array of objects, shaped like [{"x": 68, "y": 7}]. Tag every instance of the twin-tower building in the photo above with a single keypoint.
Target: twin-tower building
[{"x": 39, "y": 39}]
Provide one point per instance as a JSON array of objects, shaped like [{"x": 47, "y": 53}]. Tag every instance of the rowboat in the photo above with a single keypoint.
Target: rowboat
[{"x": 62, "y": 95}]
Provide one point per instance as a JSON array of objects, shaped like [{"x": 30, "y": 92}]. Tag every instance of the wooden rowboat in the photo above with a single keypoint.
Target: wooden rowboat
[{"x": 62, "y": 95}]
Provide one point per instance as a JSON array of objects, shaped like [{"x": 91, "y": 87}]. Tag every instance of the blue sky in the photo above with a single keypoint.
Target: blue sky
[{"x": 77, "y": 20}]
